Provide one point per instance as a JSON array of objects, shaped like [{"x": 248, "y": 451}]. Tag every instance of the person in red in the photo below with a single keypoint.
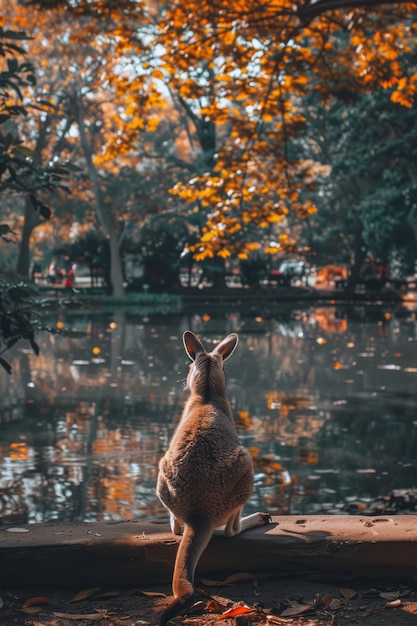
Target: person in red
[{"x": 69, "y": 281}]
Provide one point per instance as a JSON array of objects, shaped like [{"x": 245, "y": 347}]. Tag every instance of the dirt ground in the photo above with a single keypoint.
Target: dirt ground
[{"x": 259, "y": 602}]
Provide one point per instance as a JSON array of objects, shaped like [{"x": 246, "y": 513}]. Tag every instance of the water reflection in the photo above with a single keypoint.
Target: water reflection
[{"x": 325, "y": 398}]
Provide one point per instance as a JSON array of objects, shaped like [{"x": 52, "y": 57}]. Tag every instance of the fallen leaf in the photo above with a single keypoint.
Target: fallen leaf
[
  {"x": 327, "y": 600},
  {"x": 239, "y": 578},
  {"x": 348, "y": 593},
  {"x": 370, "y": 611},
  {"x": 16, "y": 530},
  {"x": 393, "y": 604},
  {"x": 296, "y": 610},
  {"x": 237, "y": 610},
  {"x": 335, "y": 604},
  {"x": 410, "y": 607},
  {"x": 214, "y": 606},
  {"x": 1, "y": 603},
  {"x": 79, "y": 616},
  {"x": 389, "y": 595},
  {"x": 36, "y": 601},
  {"x": 84, "y": 595},
  {"x": 371, "y": 592},
  {"x": 107, "y": 594},
  {"x": 149, "y": 594},
  {"x": 212, "y": 583},
  {"x": 31, "y": 609}
]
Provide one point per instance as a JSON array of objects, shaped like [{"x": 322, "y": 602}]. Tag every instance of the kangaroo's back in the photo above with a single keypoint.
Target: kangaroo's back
[{"x": 205, "y": 476}]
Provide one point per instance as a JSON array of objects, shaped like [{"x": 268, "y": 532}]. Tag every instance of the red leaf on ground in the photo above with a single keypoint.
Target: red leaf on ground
[{"x": 237, "y": 610}]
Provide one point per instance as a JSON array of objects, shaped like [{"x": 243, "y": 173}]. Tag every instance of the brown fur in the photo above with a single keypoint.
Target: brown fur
[{"x": 206, "y": 476}]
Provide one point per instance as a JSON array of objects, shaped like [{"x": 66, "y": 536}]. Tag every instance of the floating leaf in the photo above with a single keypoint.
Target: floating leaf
[
  {"x": 237, "y": 610},
  {"x": 296, "y": 610},
  {"x": 85, "y": 594},
  {"x": 35, "y": 601}
]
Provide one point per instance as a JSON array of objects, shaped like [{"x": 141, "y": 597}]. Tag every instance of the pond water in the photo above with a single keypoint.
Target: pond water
[{"x": 324, "y": 397}]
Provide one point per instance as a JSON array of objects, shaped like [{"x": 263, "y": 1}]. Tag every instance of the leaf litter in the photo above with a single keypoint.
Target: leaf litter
[{"x": 253, "y": 602}]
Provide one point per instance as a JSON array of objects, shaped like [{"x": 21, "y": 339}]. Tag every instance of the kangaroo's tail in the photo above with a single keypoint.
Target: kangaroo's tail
[{"x": 197, "y": 533}]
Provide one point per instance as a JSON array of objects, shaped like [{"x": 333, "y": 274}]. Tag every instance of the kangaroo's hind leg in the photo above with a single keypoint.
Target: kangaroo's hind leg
[{"x": 235, "y": 524}]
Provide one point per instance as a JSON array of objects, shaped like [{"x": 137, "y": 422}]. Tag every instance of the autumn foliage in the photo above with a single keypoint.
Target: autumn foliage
[{"x": 226, "y": 81}]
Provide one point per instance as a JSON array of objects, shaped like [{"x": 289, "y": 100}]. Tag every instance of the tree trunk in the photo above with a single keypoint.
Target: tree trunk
[
  {"x": 31, "y": 217},
  {"x": 116, "y": 271},
  {"x": 359, "y": 255},
  {"x": 31, "y": 220}
]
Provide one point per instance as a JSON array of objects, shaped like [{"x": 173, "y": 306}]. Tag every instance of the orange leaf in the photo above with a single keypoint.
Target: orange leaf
[
  {"x": 36, "y": 601},
  {"x": 237, "y": 610}
]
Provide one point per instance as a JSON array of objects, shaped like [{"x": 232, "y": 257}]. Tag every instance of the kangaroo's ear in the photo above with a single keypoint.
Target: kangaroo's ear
[
  {"x": 192, "y": 345},
  {"x": 226, "y": 346}
]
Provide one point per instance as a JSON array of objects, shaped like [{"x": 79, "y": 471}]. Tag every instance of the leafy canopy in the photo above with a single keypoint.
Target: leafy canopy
[{"x": 239, "y": 72}]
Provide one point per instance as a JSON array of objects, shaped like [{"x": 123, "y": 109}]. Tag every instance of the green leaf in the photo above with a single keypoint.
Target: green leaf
[
  {"x": 13, "y": 65},
  {"x": 6, "y": 366},
  {"x": 13, "y": 34},
  {"x": 5, "y": 229},
  {"x": 24, "y": 151},
  {"x": 34, "y": 346},
  {"x": 44, "y": 210}
]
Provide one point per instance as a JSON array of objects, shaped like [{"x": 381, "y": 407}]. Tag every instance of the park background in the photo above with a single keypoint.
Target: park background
[{"x": 219, "y": 166}]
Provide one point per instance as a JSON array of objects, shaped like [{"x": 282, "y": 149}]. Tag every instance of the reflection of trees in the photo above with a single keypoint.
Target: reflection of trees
[{"x": 94, "y": 423}]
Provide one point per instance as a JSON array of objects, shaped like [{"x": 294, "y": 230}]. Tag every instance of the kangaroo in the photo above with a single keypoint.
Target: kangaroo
[{"x": 205, "y": 476}]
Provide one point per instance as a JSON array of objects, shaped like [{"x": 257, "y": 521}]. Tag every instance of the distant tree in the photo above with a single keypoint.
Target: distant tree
[
  {"x": 367, "y": 148},
  {"x": 162, "y": 240},
  {"x": 91, "y": 249},
  {"x": 238, "y": 74}
]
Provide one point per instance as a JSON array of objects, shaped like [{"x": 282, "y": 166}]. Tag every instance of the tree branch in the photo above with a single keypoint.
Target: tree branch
[{"x": 307, "y": 13}]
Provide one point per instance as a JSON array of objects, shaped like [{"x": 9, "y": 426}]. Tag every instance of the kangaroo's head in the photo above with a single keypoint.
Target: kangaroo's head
[{"x": 206, "y": 374}]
